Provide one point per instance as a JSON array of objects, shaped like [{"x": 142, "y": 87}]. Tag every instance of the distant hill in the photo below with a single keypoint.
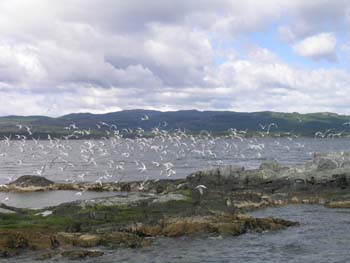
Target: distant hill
[{"x": 191, "y": 120}]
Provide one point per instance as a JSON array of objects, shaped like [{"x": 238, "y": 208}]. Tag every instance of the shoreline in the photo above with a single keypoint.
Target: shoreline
[{"x": 206, "y": 202}]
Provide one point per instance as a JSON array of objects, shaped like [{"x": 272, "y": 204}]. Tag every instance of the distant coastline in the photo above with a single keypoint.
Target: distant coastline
[{"x": 129, "y": 123}]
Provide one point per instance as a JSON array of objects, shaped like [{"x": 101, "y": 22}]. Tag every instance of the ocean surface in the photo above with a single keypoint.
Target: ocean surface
[
  {"x": 144, "y": 159},
  {"x": 323, "y": 236}
]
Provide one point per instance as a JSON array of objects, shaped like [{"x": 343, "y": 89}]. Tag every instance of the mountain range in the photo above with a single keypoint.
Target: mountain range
[{"x": 194, "y": 121}]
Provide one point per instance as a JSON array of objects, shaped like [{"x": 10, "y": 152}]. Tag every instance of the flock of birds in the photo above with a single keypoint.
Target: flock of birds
[{"x": 144, "y": 156}]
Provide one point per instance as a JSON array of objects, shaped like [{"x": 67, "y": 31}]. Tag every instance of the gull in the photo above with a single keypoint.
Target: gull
[
  {"x": 41, "y": 171},
  {"x": 271, "y": 125},
  {"x": 142, "y": 185},
  {"x": 156, "y": 164},
  {"x": 73, "y": 126},
  {"x": 322, "y": 135},
  {"x": 262, "y": 126},
  {"x": 145, "y": 118},
  {"x": 87, "y": 132},
  {"x": 238, "y": 137},
  {"x": 143, "y": 168},
  {"x": 6, "y": 198},
  {"x": 92, "y": 161},
  {"x": 256, "y": 146},
  {"x": 346, "y": 123},
  {"x": 319, "y": 134},
  {"x": 119, "y": 167},
  {"x": 7, "y": 141},
  {"x": 81, "y": 176},
  {"x": 110, "y": 163},
  {"x": 332, "y": 135},
  {"x": 99, "y": 181},
  {"x": 168, "y": 165},
  {"x": 104, "y": 123},
  {"x": 19, "y": 126},
  {"x": 29, "y": 130},
  {"x": 171, "y": 172},
  {"x": 125, "y": 155},
  {"x": 200, "y": 188}
]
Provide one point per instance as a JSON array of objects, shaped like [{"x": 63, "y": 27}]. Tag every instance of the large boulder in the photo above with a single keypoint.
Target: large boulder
[
  {"x": 273, "y": 166},
  {"x": 31, "y": 181},
  {"x": 326, "y": 164}
]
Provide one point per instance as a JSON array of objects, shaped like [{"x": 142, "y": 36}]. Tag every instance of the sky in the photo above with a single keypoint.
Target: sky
[{"x": 64, "y": 56}]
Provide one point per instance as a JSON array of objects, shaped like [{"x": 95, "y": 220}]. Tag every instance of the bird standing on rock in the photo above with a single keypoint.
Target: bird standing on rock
[{"x": 200, "y": 188}]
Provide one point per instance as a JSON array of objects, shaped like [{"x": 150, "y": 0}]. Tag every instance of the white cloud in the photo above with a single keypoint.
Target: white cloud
[
  {"x": 160, "y": 54},
  {"x": 318, "y": 46}
]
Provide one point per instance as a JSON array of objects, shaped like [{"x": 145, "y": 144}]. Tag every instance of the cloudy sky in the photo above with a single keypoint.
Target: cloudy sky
[{"x": 62, "y": 56}]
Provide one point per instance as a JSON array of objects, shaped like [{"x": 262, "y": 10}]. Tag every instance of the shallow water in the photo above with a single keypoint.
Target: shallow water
[
  {"x": 37, "y": 200},
  {"x": 323, "y": 236}
]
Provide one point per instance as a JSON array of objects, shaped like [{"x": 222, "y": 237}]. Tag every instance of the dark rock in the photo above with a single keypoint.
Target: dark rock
[
  {"x": 81, "y": 254},
  {"x": 117, "y": 239},
  {"x": 273, "y": 166},
  {"x": 125, "y": 187},
  {"x": 98, "y": 215},
  {"x": 17, "y": 242},
  {"x": 326, "y": 164},
  {"x": 31, "y": 180},
  {"x": 54, "y": 242},
  {"x": 47, "y": 256},
  {"x": 341, "y": 180}
]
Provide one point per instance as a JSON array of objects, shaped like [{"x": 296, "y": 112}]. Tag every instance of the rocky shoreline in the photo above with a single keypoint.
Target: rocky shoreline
[{"x": 212, "y": 202}]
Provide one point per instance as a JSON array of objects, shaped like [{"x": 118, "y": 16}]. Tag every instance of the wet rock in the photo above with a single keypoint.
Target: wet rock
[
  {"x": 117, "y": 239},
  {"x": 87, "y": 240},
  {"x": 16, "y": 242},
  {"x": 342, "y": 180},
  {"x": 326, "y": 164},
  {"x": 47, "y": 256},
  {"x": 338, "y": 204},
  {"x": 273, "y": 166},
  {"x": 219, "y": 224},
  {"x": 81, "y": 254}
]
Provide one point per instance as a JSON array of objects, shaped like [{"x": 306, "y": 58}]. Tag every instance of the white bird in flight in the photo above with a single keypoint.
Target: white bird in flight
[{"x": 145, "y": 118}]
